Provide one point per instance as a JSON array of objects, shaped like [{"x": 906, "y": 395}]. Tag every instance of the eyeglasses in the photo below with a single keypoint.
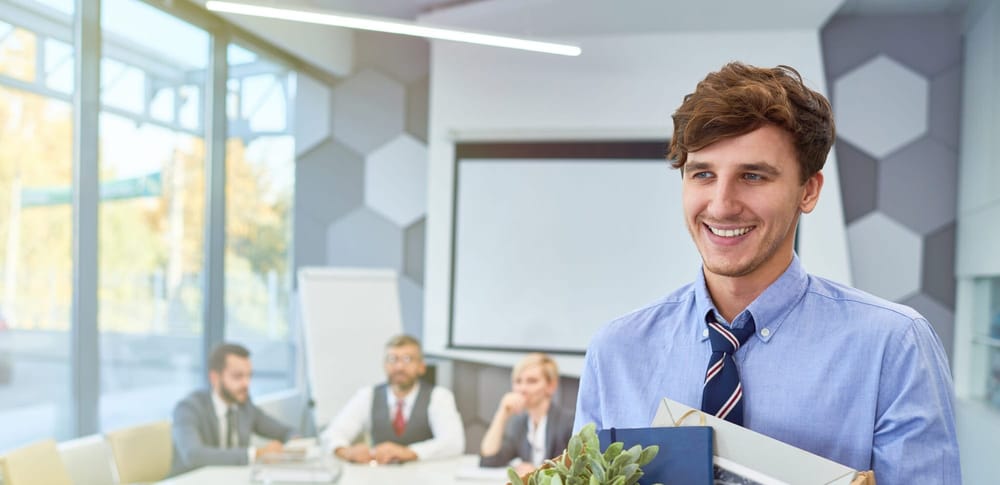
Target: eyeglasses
[{"x": 406, "y": 359}]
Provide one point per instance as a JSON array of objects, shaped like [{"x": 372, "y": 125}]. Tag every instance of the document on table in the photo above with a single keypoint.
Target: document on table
[{"x": 494, "y": 475}]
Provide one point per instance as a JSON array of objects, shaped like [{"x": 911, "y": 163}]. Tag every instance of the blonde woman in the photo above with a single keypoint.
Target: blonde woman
[{"x": 528, "y": 428}]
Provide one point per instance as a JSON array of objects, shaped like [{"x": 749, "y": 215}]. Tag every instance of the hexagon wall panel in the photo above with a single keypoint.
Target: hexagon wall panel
[
  {"x": 312, "y": 113},
  {"x": 916, "y": 185},
  {"x": 881, "y": 106},
  {"x": 886, "y": 257},
  {"x": 413, "y": 250},
  {"x": 396, "y": 180},
  {"x": 939, "y": 266},
  {"x": 329, "y": 181},
  {"x": 417, "y": 108},
  {"x": 946, "y": 106},
  {"x": 364, "y": 239},
  {"x": 368, "y": 110},
  {"x": 858, "y": 181},
  {"x": 941, "y": 318}
]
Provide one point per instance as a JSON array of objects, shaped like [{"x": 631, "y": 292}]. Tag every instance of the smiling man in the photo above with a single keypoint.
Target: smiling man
[
  {"x": 756, "y": 340},
  {"x": 402, "y": 419}
]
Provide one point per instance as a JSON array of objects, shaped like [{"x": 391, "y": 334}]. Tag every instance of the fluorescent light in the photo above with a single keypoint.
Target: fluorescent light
[{"x": 351, "y": 21}]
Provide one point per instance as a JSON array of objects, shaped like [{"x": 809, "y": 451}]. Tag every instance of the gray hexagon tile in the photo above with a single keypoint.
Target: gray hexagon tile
[
  {"x": 858, "y": 181},
  {"x": 941, "y": 318},
  {"x": 881, "y": 106},
  {"x": 368, "y": 110},
  {"x": 886, "y": 257},
  {"x": 396, "y": 180},
  {"x": 364, "y": 239},
  {"x": 939, "y": 265},
  {"x": 917, "y": 185},
  {"x": 329, "y": 181},
  {"x": 309, "y": 240},
  {"x": 946, "y": 106},
  {"x": 411, "y": 303},
  {"x": 312, "y": 113},
  {"x": 413, "y": 250},
  {"x": 417, "y": 102},
  {"x": 926, "y": 43}
]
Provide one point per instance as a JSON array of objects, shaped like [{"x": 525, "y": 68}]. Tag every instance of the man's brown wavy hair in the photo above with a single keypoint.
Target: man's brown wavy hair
[{"x": 740, "y": 98}]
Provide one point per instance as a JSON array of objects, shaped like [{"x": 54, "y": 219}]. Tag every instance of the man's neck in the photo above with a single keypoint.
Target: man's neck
[
  {"x": 733, "y": 294},
  {"x": 401, "y": 393}
]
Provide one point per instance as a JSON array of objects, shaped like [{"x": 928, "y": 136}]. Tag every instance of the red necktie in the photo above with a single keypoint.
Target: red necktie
[{"x": 399, "y": 422}]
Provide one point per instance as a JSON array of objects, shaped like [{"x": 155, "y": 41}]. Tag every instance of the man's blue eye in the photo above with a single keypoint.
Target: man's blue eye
[{"x": 753, "y": 176}]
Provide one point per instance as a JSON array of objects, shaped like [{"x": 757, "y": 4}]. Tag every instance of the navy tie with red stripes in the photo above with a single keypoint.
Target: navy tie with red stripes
[{"x": 723, "y": 392}]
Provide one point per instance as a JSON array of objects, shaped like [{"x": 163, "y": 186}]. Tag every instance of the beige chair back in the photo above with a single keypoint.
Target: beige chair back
[
  {"x": 142, "y": 453},
  {"x": 88, "y": 460},
  {"x": 35, "y": 464}
]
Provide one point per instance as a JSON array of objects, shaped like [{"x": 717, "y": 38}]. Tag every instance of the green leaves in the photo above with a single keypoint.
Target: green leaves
[{"x": 588, "y": 466}]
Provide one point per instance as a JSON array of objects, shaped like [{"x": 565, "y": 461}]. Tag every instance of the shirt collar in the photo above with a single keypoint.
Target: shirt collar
[
  {"x": 219, "y": 405},
  {"x": 407, "y": 401},
  {"x": 769, "y": 310}
]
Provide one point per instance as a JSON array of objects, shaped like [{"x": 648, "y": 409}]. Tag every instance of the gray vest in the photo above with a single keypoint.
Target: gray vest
[{"x": 418, "y": 428}]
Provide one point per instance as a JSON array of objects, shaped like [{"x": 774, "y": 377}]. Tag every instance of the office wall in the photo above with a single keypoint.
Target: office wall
[
  {"x": 978, "y": 238},
  {"x": 896, "y": 90},
  {"x": 361, "y": 166}
]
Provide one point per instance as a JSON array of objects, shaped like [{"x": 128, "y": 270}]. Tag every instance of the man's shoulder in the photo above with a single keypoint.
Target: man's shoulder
[
  {"x": 643, "y": 320},
  {"x": 855, "y": 302},
  {"x": 199, "y": 397}
]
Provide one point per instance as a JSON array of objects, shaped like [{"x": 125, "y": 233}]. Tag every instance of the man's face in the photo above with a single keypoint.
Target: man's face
[
  {"x": 742, "y": 198},
  {"x": 403, "y": 366},
  {"x": 233, "y": 383}
]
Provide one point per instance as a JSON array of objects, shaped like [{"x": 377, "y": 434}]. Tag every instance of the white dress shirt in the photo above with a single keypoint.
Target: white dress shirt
[
  {"x": 536, "y": 439},
  {"x": 221, "y": 408},
  {"x": 445, "y": 422}
]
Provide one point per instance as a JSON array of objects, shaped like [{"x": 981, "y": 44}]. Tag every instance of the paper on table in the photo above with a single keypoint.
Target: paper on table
[{"x": 495, "y": 475}]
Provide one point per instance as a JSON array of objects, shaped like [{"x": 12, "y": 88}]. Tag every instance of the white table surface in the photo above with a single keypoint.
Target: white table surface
[{"x": 436, "y": 472}]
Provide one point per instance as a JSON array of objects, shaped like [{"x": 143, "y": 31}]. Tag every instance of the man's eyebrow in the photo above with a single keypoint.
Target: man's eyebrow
[{"x": 761, "y": 167}]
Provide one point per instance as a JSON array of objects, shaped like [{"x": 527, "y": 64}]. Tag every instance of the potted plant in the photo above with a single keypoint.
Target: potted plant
[{"x": 583, "y": 463}]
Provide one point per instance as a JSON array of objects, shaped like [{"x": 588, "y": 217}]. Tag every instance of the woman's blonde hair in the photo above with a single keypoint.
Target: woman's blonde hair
[{"x": 549, "y": 368}]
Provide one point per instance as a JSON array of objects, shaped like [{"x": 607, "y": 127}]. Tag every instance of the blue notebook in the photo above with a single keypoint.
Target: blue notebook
[{"x": 685, "y": 456}]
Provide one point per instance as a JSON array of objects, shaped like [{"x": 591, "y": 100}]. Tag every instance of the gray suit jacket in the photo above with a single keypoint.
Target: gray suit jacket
[
  {"x": 196, "y": 433},
  {"x": 558, "y": 430}
]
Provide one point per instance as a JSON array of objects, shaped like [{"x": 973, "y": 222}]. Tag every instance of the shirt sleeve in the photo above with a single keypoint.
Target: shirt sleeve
[
  {"x": 915, "y": 439},
  {"x": 588, "y": 399},
  {"x": 352, "y": 420},
  {"x": 446, "y": 425}
]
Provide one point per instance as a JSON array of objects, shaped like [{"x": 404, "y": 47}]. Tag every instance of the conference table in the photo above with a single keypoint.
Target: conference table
[{"x": 453, "y": 471}]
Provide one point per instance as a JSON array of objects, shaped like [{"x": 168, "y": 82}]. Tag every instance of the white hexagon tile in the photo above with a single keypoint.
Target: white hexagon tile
[
  {"x": 886, "y": 257},
  {"x": 881, "y": 106},
  {"x": 396, "y": 180},
  {"x": 368, "y": 110}
]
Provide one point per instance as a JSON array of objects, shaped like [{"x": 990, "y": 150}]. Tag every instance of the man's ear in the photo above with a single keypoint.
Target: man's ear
[{"x": 810, "y": 196}]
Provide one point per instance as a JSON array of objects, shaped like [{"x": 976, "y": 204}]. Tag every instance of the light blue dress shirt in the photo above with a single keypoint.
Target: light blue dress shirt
[{"x": 831, "y": 369}]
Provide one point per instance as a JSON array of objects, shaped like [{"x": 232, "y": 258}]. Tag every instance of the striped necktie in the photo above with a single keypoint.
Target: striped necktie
[{"x": 723, "y": 392}]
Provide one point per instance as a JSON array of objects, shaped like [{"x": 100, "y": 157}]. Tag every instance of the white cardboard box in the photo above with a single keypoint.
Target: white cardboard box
[{"x": 771, "y": 461}]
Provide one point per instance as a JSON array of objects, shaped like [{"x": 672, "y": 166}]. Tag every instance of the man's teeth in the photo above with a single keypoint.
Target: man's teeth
[{"x": 730, "y": 232}]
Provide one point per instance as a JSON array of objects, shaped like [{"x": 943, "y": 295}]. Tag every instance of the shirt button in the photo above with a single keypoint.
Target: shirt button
[
  {"x": 765, "y": 332},
  {"x": 704, "y": 333}
]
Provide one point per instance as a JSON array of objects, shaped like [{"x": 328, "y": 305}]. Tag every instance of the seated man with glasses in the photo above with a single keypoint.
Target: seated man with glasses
[{"x": 407, "y": 419}]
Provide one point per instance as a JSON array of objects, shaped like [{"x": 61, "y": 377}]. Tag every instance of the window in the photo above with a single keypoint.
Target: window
[
  {"x": 151, "y": 226},
  {"x": 993, "y": 341},
  {"x": 260, "y": 182},
  {"x": 36, "y": 176}
]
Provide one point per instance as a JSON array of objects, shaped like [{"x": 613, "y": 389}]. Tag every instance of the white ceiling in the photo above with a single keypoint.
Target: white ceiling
[{"x": 411, "y": 9}]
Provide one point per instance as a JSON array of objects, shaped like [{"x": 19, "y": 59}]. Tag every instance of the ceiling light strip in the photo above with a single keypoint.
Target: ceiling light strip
[{"x": 391, "y": 26}]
